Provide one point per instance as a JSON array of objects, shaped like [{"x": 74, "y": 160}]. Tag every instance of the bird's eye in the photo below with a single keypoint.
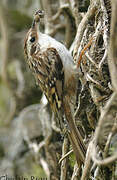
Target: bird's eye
[{"x": 32, "y": 39}]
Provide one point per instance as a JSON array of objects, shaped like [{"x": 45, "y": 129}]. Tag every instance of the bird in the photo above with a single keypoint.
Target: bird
[
  {"x": 51, "y": 64},
  {"x": 53, "y": 68}
]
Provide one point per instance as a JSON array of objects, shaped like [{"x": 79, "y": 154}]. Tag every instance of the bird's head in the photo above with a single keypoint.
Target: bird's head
[{"x": 31, "y": 39}]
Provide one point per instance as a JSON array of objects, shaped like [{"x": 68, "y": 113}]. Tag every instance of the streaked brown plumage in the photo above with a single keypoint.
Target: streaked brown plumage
[
  {"x": 51, "y": 64},
  {"x": 56, "y": 74}
]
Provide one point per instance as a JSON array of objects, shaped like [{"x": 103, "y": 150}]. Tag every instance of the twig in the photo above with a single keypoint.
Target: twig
[
  {"x": 102, "y": 122},
  {"x": 48, "y": 16},
  {"x": 103, "y": 59},
  {"x": 57, "y": 15},
  {"x": 5, "y": 36},
  {"x": 114, "y": 130},
  {"x": 79, "y": 102},
  {"x": 107, "y": 144},
  {"x": 105, "y": 29},
  {"x": 36, "y": 148},
  {"x": 113, "y": 47},
  {"x": 98, "y": 85},
  {"x": 55, "y": 29},
  {"x": 96, "y": 173},
  {"x": 74, "y": 7},
  {"x": 103, "y": 118},
  {"x": 91, "y": 60},
  {"x": 81, "y": 29},
  {"x": 87, "y": 164},
  {"x": 45, "y": 167},
  {"x": 75, "y": 172},
  {"x": 64, "y": 162},
  {"x": 96, "y": 35},
  {"x": 96, "y": 95},
  {"x": 105, "y": 161},
  {"x": 66, "y": 155}
]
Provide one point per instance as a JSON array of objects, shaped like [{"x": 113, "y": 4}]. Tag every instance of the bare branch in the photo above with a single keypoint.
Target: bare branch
[
  {"x": 66, "y": 155},
  {"x": 105, "y": 161},
  {"x": 106, "y": 30},
  {"x": 81, "y": 29},
  {"x": 74, "y": 6},
  {"x": 64, "y": 161},
  {"x": 87, "y": 164},
  {"x": 105, "y": 114},
  {"x": 112, "y": 59},
  {"x": 5, "y": 37}
]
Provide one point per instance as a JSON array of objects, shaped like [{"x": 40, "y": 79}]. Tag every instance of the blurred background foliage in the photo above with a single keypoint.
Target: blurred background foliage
[
  {"x": 18, "y": 87},
  {"x": 18, "y": 90}
]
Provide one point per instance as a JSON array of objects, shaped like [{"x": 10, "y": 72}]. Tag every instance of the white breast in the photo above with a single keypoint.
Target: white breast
[{"x": 46, "y": 41}]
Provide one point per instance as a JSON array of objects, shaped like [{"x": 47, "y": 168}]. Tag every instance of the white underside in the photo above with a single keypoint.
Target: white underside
[{"x": 46, "y": 41}]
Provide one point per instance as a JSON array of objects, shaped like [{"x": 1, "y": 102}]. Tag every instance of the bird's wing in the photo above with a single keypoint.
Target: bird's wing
[{"x": 49, "y": 73}]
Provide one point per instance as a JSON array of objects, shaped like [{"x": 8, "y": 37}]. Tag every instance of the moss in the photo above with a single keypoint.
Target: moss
[{"x": 72, "y": 160}]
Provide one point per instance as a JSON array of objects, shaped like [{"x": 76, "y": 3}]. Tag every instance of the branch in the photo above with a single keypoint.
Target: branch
[
  {"x": 64, "y": 163},
  {"x": 81, "y": 29},
  {"x": 106, "y": 30},
  {"x": 66, "y": 155},
  {"x": 104, "y": 118},
  {"x": 105, "y": 161},
  {"x": 5, "y": 37},
  {"x": 74, "y": 7},
  {"x": 87, "y": 164},
  {"x": 112, "y": 59}
]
